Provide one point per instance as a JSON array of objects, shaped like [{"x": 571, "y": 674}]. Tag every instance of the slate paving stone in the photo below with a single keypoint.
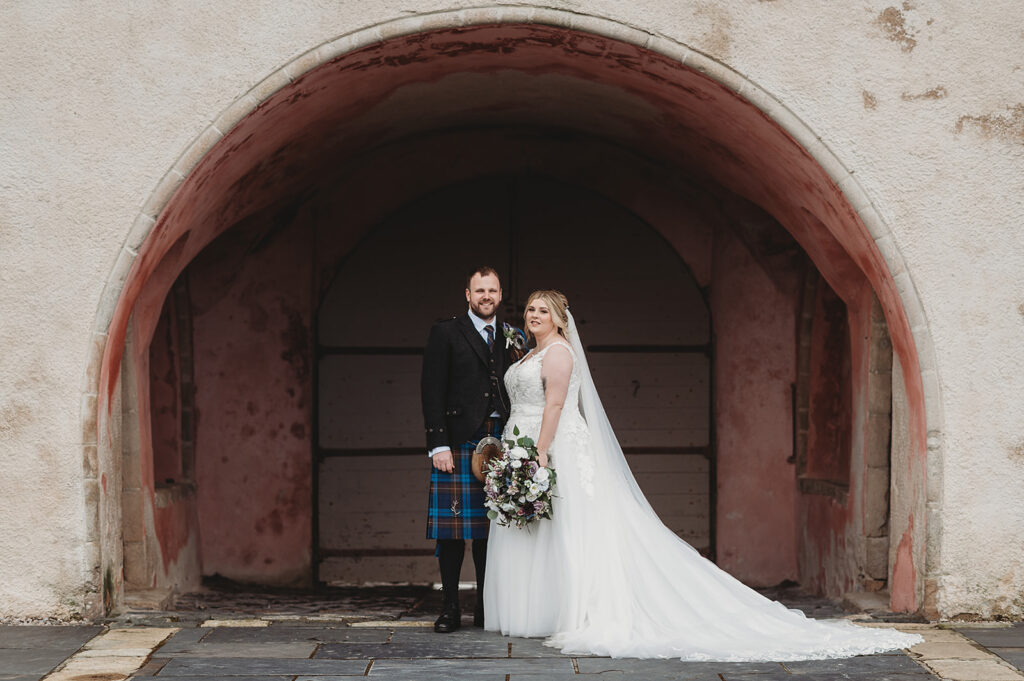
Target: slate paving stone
[
  {"x": 1014, "y": 656},
  {"x": 183, "y": 640},
  {"x": 152, "y": 667},
  {"x": 496, "y": 648},
  {"x": 464, "y": 634},
  {"x": 444, "y": 669},
  {"x": 833, "y": 676},
  {"x": 25, "y": 661},
  {"x": 599, "y": 665},
  {"x": 426, "y": 649},
  {"x": 358, "y": 651},
  {"x": 432, "y": 676},
  {"x": 212, "y": 666},
  {"x": 555, "y": 676},
  {"x": 1000, "y": 637},
  {"x": 11, "y": 677},
  {"x": 534, "y": 647},
  {"x": 277, "y": 650},
  {"x": 864, "y": 665},
  {"x": 73, "y": 637},
  {"x": 286, "y": 677},
  {"x": 293, "y": 634}
]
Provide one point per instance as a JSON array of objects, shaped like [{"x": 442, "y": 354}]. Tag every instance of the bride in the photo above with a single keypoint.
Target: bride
[{"x": 604, "y": 576}]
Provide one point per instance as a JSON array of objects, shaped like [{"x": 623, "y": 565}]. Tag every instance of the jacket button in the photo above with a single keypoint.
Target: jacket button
[{"x": 487, "y": 394}]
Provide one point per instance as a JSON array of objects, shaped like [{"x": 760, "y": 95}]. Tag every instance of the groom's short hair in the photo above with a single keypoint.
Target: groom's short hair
[{"x": 483, "y": 272}]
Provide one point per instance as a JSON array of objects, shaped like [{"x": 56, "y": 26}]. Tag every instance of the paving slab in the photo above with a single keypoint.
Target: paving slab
[
  {"x": 534, "y": 647},
  {"x": 464, "y": 634},
  {"x": 432, "y": 676},
  {"x": 998, "y": 637},
  {"x": 1014, "y": 656},
  {"x": 292, "y": 633},
  {"x": 602, "y": 665},
  {"x": 153, "y": 666},
  {"x": 425, "y": 649},
  {"x": 82, "y": 669},
  {"x": 184, "y": 639},
  {"x": 877, "y": 664},
  {"x": 974, "y": 670},
  {"x": 276, "y": 650},
  {"x": 285, "y": 677},
  {"x": 962, "y": 650},
  {"x": 444, "y": 669},
  {"x": 12, "y": 677},
  {"x": 556, "y": 676},
  {"x": 212, "y": 666},
  {"x": 25, "y": 661},
  {"x": 70, "y": 637},
  {"x": 838, "y": 676}
]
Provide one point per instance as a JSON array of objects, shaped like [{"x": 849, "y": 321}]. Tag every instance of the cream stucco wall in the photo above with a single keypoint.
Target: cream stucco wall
[{"x": 921, "y": 101}]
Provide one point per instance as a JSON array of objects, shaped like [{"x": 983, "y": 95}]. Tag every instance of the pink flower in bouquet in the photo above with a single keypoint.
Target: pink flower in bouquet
[{"x": 540, "y": 506}]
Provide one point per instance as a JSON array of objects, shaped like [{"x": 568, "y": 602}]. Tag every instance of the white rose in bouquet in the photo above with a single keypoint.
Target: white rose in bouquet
[{"x": 518, "y": 490}]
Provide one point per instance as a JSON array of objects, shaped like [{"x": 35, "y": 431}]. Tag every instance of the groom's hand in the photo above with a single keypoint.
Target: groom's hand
[{"x": 443, "y": 461}]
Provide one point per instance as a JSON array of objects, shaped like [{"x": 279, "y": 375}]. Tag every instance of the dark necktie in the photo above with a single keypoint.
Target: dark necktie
[{"x": 490, "y": 336}]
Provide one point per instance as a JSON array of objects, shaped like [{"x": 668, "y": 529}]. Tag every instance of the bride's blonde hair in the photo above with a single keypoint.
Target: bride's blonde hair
[{"x": 558, "y": 306}]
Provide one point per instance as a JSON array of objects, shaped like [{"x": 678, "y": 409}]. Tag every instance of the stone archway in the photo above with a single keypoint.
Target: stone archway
[{"x": 645, "y": 93}]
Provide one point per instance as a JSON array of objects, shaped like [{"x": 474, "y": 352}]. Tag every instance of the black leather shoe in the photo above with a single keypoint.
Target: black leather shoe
[
  {"x": 478, "y": 615},
  {"x": 449, "y": 621}
]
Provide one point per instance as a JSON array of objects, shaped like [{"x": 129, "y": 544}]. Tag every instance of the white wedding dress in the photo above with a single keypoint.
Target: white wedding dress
[{"x": 604, "y": 576}]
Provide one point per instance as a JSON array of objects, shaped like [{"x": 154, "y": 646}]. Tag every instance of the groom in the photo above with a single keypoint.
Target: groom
[{"x": 464, "y": 400}]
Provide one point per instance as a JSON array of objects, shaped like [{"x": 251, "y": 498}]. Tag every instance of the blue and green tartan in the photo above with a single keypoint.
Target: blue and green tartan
[{"x": 456, "y": 508}]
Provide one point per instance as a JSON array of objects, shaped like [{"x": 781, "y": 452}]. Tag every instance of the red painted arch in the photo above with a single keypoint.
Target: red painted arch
[{"x": 527, "y": 75}]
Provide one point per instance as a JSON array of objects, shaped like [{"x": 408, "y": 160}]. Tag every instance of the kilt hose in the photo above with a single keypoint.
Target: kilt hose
[{"x": 456, "y": 507}]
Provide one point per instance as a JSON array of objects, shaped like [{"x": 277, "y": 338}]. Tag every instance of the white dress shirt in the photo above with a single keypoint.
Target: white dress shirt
[{"x": 478, "y": 324}]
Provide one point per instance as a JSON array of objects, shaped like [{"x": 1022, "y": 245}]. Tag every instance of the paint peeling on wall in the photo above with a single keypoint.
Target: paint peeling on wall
[
  {"x": 1008, "y": 127},
  {"x": 893, "y": 23},
  {"x": 938, "y": 92}
]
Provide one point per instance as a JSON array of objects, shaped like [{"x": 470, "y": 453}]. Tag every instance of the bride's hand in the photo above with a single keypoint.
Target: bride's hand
[{"x": 542, "y": 459}]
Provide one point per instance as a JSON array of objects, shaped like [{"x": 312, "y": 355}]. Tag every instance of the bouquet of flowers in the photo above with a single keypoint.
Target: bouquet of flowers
[{"x": 519, "y": 490}]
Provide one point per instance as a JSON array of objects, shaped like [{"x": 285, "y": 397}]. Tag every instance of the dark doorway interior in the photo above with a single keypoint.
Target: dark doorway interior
[{"x": 642, "y": 316}]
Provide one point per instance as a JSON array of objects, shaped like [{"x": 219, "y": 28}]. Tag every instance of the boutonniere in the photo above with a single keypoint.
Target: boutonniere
[{"x": 515, "y": 341}]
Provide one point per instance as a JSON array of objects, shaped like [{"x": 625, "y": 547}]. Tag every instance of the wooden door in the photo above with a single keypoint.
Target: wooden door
[{"x": 641, "y": 316}]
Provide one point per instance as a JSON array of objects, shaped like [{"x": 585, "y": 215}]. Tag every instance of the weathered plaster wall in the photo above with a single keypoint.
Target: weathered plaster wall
[
  {"x": 755, "y": 363},
  {"x": 921, "y": 101},
  {"x": 251, "y": 294}
]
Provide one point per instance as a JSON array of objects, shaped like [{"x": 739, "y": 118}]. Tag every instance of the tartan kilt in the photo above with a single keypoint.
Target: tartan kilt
[{"x": 456, "y": 506}]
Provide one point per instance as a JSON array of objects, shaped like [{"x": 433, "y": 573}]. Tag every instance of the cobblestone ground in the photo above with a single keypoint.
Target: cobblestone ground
[{"x": 335, "y": 634}]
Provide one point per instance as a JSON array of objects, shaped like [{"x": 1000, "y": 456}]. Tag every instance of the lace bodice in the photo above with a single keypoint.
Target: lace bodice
[{"x": 526, "y": 390}]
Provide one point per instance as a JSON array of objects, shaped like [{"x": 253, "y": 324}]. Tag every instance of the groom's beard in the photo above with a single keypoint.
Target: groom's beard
[{"x": 478, "y": 310}]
